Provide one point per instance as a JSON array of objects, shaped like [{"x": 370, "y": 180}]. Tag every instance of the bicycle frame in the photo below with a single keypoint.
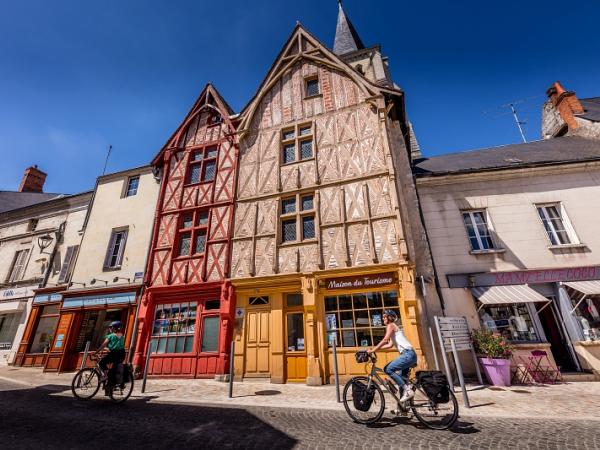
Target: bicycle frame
[{"x": 375, "y": 371}]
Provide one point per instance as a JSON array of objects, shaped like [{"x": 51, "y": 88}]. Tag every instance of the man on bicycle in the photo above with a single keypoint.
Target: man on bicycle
[
  {"x": 115, "y": 342},
  {"x": 394, "y": 337}
]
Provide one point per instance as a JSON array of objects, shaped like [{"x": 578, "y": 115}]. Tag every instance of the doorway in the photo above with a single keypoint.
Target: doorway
[
  {"x": 559, "y": 344},
  {"x": 258, "y": 347}
]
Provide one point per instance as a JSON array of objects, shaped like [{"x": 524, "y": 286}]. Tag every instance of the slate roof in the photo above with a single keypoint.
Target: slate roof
[
  {"x": 566, "y": 149},
  {"x": 346, "y": 37},
  {"x": 591, "y": 107},
  {"x": 10, "y": 200}
]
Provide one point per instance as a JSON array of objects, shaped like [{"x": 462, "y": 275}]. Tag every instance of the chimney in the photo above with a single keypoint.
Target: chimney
[
  {"x": 33, "y": 180},
  {"x": 566, "y": 103}
]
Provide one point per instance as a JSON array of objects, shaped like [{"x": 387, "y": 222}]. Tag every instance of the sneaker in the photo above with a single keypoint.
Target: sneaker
[
  {"x": 407, "y": 394},
  {"x": 399, "y": 412}
]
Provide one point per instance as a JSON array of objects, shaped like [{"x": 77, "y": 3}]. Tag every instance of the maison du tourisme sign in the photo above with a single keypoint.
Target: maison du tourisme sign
[{"x": 359, "y": 281}]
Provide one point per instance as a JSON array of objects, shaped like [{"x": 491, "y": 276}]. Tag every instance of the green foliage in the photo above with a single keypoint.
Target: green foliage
[{"x": 490, "y": 345}]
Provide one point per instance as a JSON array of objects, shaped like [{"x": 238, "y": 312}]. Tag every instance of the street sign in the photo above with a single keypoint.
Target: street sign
[{"x": 239, "y": 313}]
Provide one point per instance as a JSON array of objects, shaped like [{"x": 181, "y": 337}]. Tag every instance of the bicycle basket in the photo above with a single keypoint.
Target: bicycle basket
[
  {"x": 435, "y": 385},
  {"x": 361, "y": 356},
  {"x": 362, "y": 395}
]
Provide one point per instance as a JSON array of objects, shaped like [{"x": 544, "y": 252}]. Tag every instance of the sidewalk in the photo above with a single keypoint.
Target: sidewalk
[{"x": 568, "y": 400}]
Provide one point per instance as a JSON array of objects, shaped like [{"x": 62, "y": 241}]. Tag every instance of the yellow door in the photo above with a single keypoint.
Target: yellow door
[{"x": 257, "y": 343}]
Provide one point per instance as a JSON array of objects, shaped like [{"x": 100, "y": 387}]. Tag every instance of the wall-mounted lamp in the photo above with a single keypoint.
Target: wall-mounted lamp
[
  {"x": 115, "y": 279},
  {"x": 44, "y": 242},
  {"x": 94, "y": 280},
  {"x": 76, "y": 282}
]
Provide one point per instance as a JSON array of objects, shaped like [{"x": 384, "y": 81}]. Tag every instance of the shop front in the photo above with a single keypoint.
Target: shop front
[
  {"x": 84, "y": 317},
  {"x": 553, "y": 310},
  {"x": 286, "y": 327},
  {"x": 14, "y": 305}
]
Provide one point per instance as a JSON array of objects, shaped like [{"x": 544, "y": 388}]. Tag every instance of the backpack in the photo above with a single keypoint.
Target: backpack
[
  {"x": 362, "y": 396},
  {"x": 435, "y": 385}
]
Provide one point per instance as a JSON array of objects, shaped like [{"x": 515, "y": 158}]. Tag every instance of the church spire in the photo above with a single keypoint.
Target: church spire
[{"x": 346, "y": 37}]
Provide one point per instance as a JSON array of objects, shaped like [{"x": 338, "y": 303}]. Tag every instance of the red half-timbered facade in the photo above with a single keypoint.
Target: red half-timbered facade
[{"x": 187, "y": 312}]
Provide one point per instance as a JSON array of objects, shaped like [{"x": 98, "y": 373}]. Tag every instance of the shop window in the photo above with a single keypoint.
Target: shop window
[
  {"x": 511, "y": 321},
  {"x": 478, "y": 230},
  {"x": 587, "y": 314},
  {"x": 193, "y": 228},
  {"x": 132, "y": 186},
  {"x": 174, "y": 328},
  {"x": 210, "y": 333},
  {"x": 94, "y": 327},
  {"x": 358, "y": 318},
  {"x": 254, "y": 301},
  {"x": 293, "y": 300},
  {"x": 297, "y": 143},
  {"x": 44, "y": 332},
  {"x": 17, "y": 271},
  {"x": 203, "y": 164},
  {"x": 116, "y": 248},
  {"x": 9, "y": 323},
  {"x": 312, "y": 86},
  {"x": 298, "y": 224},
  {"x": 295, "y": 332},
  {"x": 557, "y": 224}
]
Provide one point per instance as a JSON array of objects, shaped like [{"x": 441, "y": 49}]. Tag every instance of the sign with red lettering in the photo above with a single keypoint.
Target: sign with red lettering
[{"x": 359, "y": 281}]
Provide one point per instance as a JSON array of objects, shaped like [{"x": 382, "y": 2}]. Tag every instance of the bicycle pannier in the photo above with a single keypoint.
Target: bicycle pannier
[
  {"x": 435, "y": 385},
  {"x": 121, "y": 374},
  {"x": 362, "y": 396}
]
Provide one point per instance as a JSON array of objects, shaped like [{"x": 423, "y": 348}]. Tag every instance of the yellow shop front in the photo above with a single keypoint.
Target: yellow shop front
[{"x": 286, "y": 324}]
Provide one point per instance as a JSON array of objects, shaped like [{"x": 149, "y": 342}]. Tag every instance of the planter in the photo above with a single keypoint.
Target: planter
[{"x": 497, "y": 371}]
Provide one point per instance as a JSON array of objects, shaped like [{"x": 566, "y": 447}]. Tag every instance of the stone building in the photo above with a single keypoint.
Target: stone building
[
  {"x": 325, "y": 212},
  {"x": 513, "y": 233}
]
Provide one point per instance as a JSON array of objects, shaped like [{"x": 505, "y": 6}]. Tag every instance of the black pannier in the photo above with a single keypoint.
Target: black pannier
[
  {"x": 435, "y": 385},
  {"x": 362, "y": 395}
]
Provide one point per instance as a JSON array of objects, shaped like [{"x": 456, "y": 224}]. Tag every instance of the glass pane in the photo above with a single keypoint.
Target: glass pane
[
  {"x": 211, "y": 152},
  {"x": 153, "y": 345},
  {"x": 210, "y": 334},
  {"x": 288, "y": 205},
  {"x": 288, "y": 230},
  {"x": 180, "y": 344},
  {"x": 187, "y": 221},
  {"x": 44, "y": 334},
  {"x": 162, "y": 346},
  {"x": 196, "y": 156},
  {"x": 345, "y": 302},
  {"x": 289, "y": 153},
  {"x": 171, "y": 345},
  {"x": 288, "y": 134},
  {"x": 511, "y": 321},
  {"x": 132, "y": 186},
  {"x": 189, "y": 344},
  {"x": 295, "y": 330},
  {"x": 330, "y": 337},
  {"x": 346, "y": 319},
  {"x": 306, "y": 149},
  {"x": 348, "y": 339},
  {"x": 184, "y": 243},
  {"x": 330, "y": 303},
  {"x": 212, "y": 304},
  {"x": 374, "y": 300},
  {"x": 308, "y": 227},
  {"x": 194, "y": 176},
  {"x": 209, "y": 171},
  {"x": 305, "y": 130},
  {"x": 312, "y": 87},
  {"x": 331, "y": 321},
  {"x": 390, "y": 298},
  {"x": 363, "y": 337},
  {"x": 307, "y": 203},
  {"x": 202, "y": 217},
  {"x": 376, "y": 317},
  {"x": 359, "y": 301},
  {"x": 50, "y": 309},
  {"x": 294, "y": 300},
  {"x": 361, "y": 318},
  {"x": 200, "y": 242},
  {"x": 378, "y": 334}
]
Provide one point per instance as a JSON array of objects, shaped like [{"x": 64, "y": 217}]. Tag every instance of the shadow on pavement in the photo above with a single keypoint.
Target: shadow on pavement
[
  {"x": 460, "y": 427},
  {"x": 38, "y": 418}
]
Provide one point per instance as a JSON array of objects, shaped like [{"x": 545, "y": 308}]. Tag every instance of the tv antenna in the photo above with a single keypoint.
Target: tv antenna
[
  {"x": 106, "y": 160},
  {"x": 511, "y": 106}
]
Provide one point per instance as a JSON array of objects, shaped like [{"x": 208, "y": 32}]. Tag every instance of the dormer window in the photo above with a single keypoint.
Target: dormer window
[{"x": 312, "y": 87}]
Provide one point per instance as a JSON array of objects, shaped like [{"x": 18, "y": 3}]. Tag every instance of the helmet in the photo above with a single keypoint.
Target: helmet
[
  {"x": 391, "y": 313},
  {"x": 117, "y": 325}
]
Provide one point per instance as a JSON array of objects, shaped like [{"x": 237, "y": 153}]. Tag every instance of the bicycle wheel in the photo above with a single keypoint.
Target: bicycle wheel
[
  {"x": 122, "y": 392},
  {"x": 375, "y": 411},
  {"x": 85, "y": 384},
  {"x": 437, "y": 416}
]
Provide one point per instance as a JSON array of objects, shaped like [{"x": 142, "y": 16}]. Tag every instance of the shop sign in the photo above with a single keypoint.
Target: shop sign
[
  {"x": 16, "y": 293},
  {"x": 525, "y": 277},
  {"x": 360, "y": 281}
]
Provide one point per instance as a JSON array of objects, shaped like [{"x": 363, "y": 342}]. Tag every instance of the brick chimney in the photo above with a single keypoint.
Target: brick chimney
[
  {"x": 566, "y": 103},
  {"x": 33, "y": 180}
]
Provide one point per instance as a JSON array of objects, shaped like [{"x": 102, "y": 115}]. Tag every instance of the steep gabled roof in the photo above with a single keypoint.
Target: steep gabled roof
[
  {"x": 208, "y": 98},
  {"x": 10, "y": 200},
  {"x": 346, "y": 39}
]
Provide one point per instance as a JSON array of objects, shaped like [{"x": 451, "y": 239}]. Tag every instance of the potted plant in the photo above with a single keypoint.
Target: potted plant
[{"x": 494, "y": 356}]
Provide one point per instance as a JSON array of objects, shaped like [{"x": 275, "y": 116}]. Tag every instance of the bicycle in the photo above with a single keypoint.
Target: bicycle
[
  {"x": 436, "y": 416},
  {"x": 87, "y": 382}
]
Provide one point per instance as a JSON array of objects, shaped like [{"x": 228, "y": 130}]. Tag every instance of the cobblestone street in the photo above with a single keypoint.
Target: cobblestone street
[{"x": 44, "y": 418}]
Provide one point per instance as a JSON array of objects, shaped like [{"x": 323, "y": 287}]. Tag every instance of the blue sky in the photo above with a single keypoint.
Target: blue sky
[{"x": 76, "y": 76}]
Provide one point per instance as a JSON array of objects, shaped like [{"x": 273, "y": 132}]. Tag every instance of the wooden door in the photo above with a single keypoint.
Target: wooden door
[
  {"x": 258, "y": 348},
  {"x": 295, "y": 350}
]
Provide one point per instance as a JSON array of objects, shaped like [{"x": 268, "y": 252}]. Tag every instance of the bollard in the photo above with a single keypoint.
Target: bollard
[
  {"x": 231, "y": 368},
  {"x": 146, "y": 366},
  {"x": 335, "y": 367},
  {"x": 85, "y": 355}
]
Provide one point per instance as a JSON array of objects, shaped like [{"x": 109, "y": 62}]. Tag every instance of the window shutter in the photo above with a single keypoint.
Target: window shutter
[
  {"x": 109, "y": 250},
  {"x": 65, "y": 271},
  {"x": 122, "y": 247}
]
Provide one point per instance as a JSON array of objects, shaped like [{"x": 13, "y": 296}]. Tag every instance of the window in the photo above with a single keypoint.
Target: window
[
  {"x": 586, "y": 313},
  {"x": 298, "y": 224},
  {"x": 203, "y": 165},
  {"x": 17, "y": 270},
  {"x": 46, "y": 326},
  {"x": 511, "y": 321},
  {"x": 295, "y": 332},
  {"x": 478, "y": 230},
  {"x": 174, "y": 328},
  {"x": 358, "y": 318},
  {"x": 254, "y": 301},
  {"x": 94, "y": 326},
  {"x": 215, "y": 119},
  {"x": 312, "y": 87},
  {"x": 297, "y": 143},
  {"x": 116, "y": 249},
  {"x": 193, "y": 229},
  {"x": 557, "y": 224},
  {"x": 132, "y": 186},
  {"x": 210, "y": 334},
  {"x": 293, "y": 300},
  {"x": 9, "y": 323}
]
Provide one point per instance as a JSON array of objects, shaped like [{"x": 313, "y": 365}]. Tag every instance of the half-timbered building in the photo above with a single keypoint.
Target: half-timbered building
[
  {"x": 186, "y": 314},
  {"x": 319, "y": 244}
]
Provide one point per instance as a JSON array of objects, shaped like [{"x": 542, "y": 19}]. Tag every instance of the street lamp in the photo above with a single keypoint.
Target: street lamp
[
  {"x": 115, "y": 279},
  {"x": 76, "y": 282},
  {"x": 93, "y": 281},
  {"x": 44, "y": 242}
]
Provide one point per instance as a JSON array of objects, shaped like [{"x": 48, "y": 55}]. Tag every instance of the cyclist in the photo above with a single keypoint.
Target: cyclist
[
  {"x": 394, "y": 337},
  {"x": 115, "y": 342}
]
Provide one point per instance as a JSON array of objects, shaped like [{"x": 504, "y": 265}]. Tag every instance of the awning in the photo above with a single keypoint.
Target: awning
[
  {"x": 99, "y": 300},
  {"x": 502, "y": 295},
  {"x": 585, "y": 287}
]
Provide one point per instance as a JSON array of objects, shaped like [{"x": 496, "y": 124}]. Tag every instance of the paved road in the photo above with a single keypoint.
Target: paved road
[{"x": 43, "y": 418}]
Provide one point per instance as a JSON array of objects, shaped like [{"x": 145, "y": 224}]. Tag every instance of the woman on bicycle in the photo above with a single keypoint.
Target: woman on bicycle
[
  {"x": 394, "y": 337},
  {"x": 115, "y": 342}
]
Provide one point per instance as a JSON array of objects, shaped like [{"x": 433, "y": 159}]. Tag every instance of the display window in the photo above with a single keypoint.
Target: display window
[
  {"x": 358, "y": 318},
  {"x": 94, "y": 327},
  {"x": 586, "y": 313},
  {"x": 8, "y": 328},
  {"x": 511, "y": 321},
  {"x": 44, "y": 332}
]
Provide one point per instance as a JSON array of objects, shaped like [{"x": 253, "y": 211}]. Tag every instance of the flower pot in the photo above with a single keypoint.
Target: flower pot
[{"x": 497, "y": 371}]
